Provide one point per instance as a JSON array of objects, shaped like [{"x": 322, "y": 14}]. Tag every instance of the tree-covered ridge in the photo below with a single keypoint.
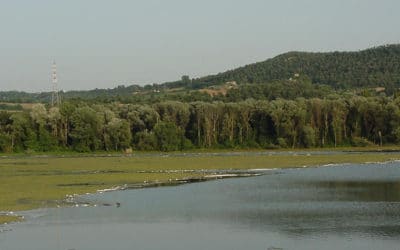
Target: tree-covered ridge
[
  {"x": 302, "y": 74},
  {"x": 45, "y": 97},
  {"x": 173, "y": 125},
  {"x": 379, "y": 66},
  {"x": 299, "y": 87}
]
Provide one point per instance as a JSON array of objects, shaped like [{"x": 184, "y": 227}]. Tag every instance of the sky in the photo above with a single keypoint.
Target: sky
[{"x": 103, "y": 44}]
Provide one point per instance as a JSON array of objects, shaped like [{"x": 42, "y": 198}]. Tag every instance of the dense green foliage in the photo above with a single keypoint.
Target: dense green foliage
[
  {"x": 293, "y": 100},
  {"x": 172, "y": 125},
  {"x": 289, "y": 89},
  {"x": 378, "y": 66}
]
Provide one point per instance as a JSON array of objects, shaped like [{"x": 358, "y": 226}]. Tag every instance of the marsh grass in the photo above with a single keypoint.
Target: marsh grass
[
  {"x": 32, "y": 182},
  {"x": 8, "y": 219}
]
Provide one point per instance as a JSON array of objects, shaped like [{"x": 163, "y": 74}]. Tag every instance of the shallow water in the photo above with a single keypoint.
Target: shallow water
[{"x": 336, "y": 207}]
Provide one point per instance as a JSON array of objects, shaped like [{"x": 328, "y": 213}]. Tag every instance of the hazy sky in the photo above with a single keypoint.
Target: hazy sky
[{"x": 102, "y": 44}]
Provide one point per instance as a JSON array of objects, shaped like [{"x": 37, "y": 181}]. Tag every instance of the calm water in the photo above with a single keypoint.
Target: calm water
[{"x": 335, "y": 207}]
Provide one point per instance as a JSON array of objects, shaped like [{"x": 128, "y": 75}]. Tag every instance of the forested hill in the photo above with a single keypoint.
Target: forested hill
[
  {"x": 287, "y": 76},
  {"x": 379, "y": 66}
]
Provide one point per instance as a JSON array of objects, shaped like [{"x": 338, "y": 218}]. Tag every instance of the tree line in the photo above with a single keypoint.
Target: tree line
[{"x": 173, "y": 125}]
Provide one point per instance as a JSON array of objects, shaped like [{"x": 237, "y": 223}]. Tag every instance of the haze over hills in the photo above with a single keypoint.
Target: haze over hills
[{"x": 374, "y": 67}]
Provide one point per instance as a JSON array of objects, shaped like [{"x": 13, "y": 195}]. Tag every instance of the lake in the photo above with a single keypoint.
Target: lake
[{"x": 353, "y": 206}]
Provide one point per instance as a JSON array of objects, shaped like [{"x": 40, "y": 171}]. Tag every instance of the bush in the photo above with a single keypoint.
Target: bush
[
  {"x": 251, "y": 144},
  {"x": 308, "y": 137},
  {"x": 145, "y": 141},
  {"x": 360, "y": 142},
  {"x": 282, "y": 142},
  {"x": 271, "y": 146},
  {"x": 168, "y": 136},
  {"x": 187, "y": 144},
  {"x": 5, "y": 143}
]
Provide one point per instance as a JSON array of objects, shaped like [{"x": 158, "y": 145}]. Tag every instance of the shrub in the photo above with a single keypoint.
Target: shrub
[
  {"x": 282, "y": 142},
  {"x": 360, "y": 142}
]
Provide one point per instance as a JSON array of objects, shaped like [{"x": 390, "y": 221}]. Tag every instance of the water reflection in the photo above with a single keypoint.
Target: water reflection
[
  {"x": 357, "y": 190},
  {"x": 336, "y": 200},
  {"x": 336, "y": 207}
]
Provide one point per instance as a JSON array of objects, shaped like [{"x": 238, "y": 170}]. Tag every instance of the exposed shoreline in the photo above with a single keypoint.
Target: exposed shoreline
[
  {"x": 215, "y": 176},
  {"x": 157, "y": 171},
  {"x": 71, "y": 199}
]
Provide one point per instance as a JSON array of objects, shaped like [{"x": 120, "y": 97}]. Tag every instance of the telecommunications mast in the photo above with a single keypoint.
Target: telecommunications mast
[{"x": 55, "y": 96}]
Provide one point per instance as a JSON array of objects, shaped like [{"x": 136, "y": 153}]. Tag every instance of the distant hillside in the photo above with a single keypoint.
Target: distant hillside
[
  {"x": 379, "y": 66},
  {"x": 24, "y": 97},
  {"x": 314, "y": 73}
]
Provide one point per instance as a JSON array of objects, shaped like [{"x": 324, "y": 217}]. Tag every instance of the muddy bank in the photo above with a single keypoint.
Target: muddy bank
[{"x": 77, "y": 200}]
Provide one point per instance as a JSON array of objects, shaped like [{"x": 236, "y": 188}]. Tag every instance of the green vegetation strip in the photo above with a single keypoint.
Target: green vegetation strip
[
  {"x": 28, "y": 183},
  {"x": 8, "y": 219}
]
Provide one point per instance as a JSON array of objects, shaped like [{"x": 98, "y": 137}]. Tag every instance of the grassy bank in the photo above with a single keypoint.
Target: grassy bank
[
  {"x": 69, "y": 153},
  {"x": 32, "y": 182},
  {"x": 8, "y": 219}
]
